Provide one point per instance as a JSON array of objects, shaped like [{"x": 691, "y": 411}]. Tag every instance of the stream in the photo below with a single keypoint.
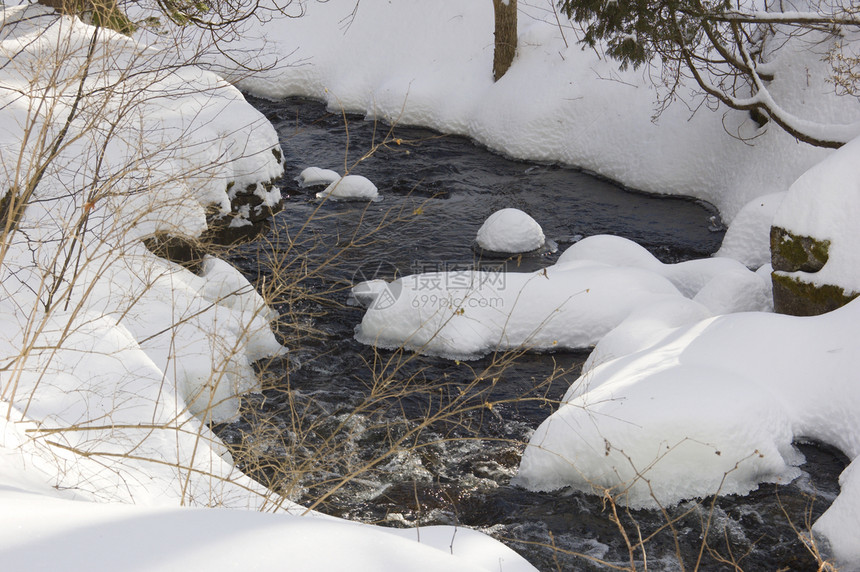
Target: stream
[{"x": 391, "y": 438}]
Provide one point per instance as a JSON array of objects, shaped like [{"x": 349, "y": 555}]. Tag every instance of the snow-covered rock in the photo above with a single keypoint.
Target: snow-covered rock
[
  {"x": 747, "y": 239},
  {"x": 689, "y": 277},
  {"x": 313, "y": 176},
  {"x": 350, "y": 187},
  {"x": 510, "y": 231},
  {"x": 816, "y": 242},
  {"x": 596, "y": 285}
]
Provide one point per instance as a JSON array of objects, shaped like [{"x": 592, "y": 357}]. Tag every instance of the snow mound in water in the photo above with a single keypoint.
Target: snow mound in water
[
  {"x": 596, "y": 286},
  {"x": 511, "y": 231},
  {"x": 711, "y": 407},
  {"x": 704, "y": 280},
  {"x": 315, "y": 176},
  {"x": 748, "y": 238},
  {"x": 350, "y": 187}
]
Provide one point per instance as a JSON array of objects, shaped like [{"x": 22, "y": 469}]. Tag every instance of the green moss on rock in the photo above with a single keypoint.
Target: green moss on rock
[
  {"x": 105, "y": 13},
  {"x": 798, "y": 298},
  {"x": 792, "y": 253}
]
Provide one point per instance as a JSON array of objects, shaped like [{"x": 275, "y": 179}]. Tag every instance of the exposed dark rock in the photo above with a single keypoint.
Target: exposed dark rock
[
  {"x": 792, "y": 253},
  {"x": 797, "y": 298},
  {"x": 183, "y": 251},
  {"x": 104, "y": 13},
  {"x": 228, "y": 235},
  {"x": 248, "y": 218},
  {"x": 248, "y": 209},
  {"x": 791, "y": 295}
]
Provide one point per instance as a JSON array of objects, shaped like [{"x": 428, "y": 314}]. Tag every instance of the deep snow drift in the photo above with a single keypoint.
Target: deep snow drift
[
  {"x": 113, "y": 358},
  {"x": 424, "y": 63}
]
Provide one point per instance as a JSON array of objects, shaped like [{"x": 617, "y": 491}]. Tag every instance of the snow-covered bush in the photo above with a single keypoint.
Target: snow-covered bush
[
  {"x": 114, "y": 360},
  {"x": 110, "y": 351}
]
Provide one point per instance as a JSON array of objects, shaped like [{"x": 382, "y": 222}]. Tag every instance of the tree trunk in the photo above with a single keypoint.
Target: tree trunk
[
  {"x": 104, "y": 13},
  {"x": 506, "y": 36},
  {"x": 70, "y": 7}
]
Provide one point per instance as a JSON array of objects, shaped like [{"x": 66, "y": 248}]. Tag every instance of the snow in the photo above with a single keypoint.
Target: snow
[
  {"x": 373, "y": 292},
  {"x": 313, "y": 176},
  {"x": 669, "y": 408},
  {"x": 510, "y": 231},
  {"x": 115, "y": 360},
  {"x": 693, "y": 386},
  {"x": 748, "y": 238},
  {"x": 596, "y": 285},
  {"x": 41, "y": 532},
  {"x": 712, "y": 407},
  {"x": 110, "y": 351},
  {"x": 569, "y": 105},
  {"x": 350, "y": 187},
  {"x": 824, "y": 203},
  {"x": 839, "y": 525},
  {"x": 557, "y": 103}
]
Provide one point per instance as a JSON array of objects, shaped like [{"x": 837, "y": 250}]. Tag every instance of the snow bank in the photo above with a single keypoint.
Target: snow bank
[
  {"x": 596, "y": 285},
  {"x": 147, "y": 152},
  {"x": 192, "y": 133},
  {"x": 712, "y": 407},
  {"x": 841, "y": 522},
  {"x": 94, "y": 415},
  {"x": 411, "y": 62},
  {"x": 675, "y": 405},
  {"x": 113, "y": 358},
  {"x": 39, "y": 532}
]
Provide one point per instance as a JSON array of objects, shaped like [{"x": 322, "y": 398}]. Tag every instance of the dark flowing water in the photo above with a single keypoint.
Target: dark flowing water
[{"x": 403, "y": 440}]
